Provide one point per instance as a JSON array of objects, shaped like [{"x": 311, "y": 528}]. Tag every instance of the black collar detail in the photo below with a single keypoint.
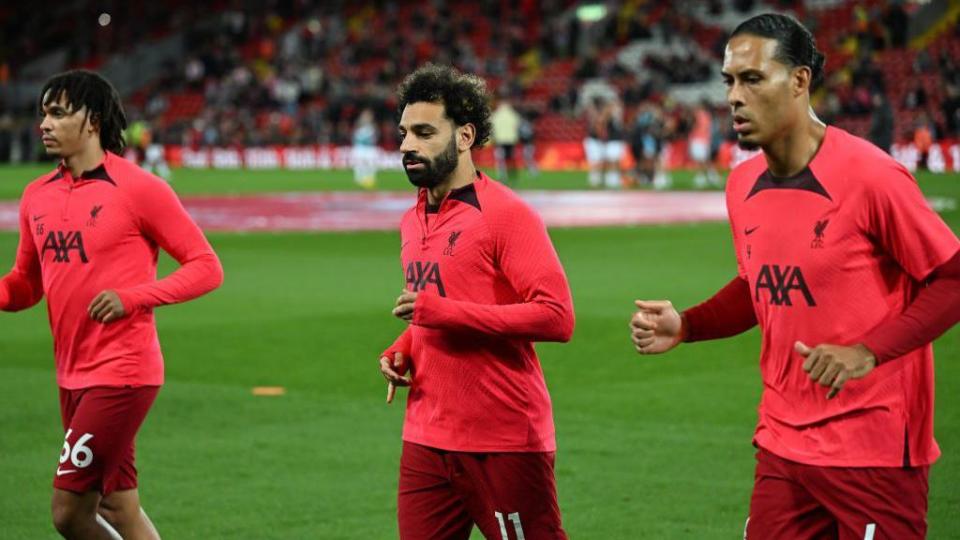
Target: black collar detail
[
  {"x": 467, "y": 194},
  {"x": 99, "y": 173},
  {"x": 804, "y": 180}
]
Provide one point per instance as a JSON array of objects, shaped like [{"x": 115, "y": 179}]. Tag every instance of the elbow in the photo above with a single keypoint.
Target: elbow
[
  {"x": 562, "y": 328},
  {"x": 215, "y": 274},
  {"x": 566, "y": 329},
  {"x": 18, "y": 296}
]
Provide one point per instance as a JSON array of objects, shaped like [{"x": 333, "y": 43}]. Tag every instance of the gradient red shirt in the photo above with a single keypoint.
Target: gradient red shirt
[
  {"x": 489, "y": 284},
  {"x": 81, "y": 236},
  {"x": 829, "y": 255}
]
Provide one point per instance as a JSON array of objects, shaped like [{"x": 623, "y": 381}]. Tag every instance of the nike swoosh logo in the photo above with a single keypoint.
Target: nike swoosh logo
[
  {"x": 38, "y": 218},
  {"x": 748, "y": 231},
  {"x": 403, "y": 245},
  {"x": 61, "y": 472}
]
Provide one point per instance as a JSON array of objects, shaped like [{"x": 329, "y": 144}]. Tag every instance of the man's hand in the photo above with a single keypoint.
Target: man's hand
[
  {"x": 656, "y": 327},
  {"x": 833, "y": 365},
  {"x": 394, "y": 372},
  {"x": 405, "y": 302},
  {"x": 106, "y": 307}
]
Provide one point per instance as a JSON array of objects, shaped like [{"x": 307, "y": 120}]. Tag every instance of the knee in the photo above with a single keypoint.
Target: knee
[
  {"x": 68, "y": 519},
  {"x": 118, "y": 515},
  {"x": 112, "y": 515}
]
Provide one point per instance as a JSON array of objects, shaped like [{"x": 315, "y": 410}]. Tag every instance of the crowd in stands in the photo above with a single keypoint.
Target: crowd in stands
[{"x": 298, "y": 72}]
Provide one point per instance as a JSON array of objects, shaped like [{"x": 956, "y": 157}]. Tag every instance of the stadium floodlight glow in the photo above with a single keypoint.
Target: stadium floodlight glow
[
  {"x": 104, "y": 19},
  {"x": 591, "y": 12}
]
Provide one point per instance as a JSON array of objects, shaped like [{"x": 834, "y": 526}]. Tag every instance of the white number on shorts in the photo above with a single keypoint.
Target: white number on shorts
[
  {"x": 515, "y": 518},
  {"x": 868, "y": 532},
  {"x": 81, "y": 455}
]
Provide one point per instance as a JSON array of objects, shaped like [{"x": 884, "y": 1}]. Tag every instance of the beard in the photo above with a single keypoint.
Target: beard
[
  {"x": 749, "y": 146},
  {"x": 434, "y": 170}
]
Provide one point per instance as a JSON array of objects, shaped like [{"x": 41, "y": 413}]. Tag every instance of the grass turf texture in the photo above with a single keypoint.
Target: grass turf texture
[
  {"x": 650, "y": 447},
  {"x": 251, "y": 182}
]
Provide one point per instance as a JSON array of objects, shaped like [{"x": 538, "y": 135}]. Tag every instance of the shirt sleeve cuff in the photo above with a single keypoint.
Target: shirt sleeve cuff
[
  {"x": 129, "y": 301},
  {"x": 423, "y": 309}
]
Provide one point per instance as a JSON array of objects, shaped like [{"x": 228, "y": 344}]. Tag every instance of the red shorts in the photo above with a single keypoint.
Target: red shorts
[
  {"x": 795, "y": 501},
  {"x": 101, "y": 424},
  {"x": 508, "y": 495}
]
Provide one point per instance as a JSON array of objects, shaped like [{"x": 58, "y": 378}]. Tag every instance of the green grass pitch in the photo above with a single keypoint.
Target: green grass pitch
[{"x": 649, "y": 447}]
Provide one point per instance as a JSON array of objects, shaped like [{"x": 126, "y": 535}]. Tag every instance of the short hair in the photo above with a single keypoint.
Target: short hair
[
  {"x": 795, "y": 44},
  {"x": 85, "y": 88},
  {"x": 464, "y": 97}
]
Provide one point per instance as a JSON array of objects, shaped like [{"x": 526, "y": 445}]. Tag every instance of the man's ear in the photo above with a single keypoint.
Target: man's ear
[
  {"x": 801, "y": 80},
  {"x": 466, "y": 134}
]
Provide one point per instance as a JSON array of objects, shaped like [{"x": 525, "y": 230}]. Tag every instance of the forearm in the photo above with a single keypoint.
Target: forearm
[
  {"x": 934, "y": 311},
  {"x": 539, "y": 320},
  {"x": 401, "y": 345},
  {"x": 194, "y": 278},
  {"x": 727, "y": 313},
  {"x": 18, "y": 292}
]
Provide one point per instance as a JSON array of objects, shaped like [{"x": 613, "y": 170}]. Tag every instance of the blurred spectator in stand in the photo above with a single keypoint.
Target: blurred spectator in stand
[
  {"x": 916, "y": 98},
  {"x": 881, "y": 122},
  {"x": 896, "y": 20}
]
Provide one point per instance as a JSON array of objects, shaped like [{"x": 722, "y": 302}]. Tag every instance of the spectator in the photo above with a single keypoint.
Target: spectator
[{"x": 881, "y": 122}]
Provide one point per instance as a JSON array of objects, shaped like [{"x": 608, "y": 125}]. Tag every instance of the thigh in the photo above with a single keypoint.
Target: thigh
[
  {"x": 101, "y": 424},
  {"x": 613, "y": 151},
  {"x": 511, "y": 495},
  {"x": 782, "y": 508},
  {"x": 593, "y": 149},
  {"x": 875, "y": 503},
  {"x": 427, "y": 506}
]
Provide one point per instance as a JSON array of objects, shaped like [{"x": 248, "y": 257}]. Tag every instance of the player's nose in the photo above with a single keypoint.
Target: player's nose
[
  {"x": 735, "y": 96},
  {"x": 407, "y": 144}
]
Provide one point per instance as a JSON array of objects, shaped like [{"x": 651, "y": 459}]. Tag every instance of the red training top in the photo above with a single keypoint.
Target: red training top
[
  {"x": 81, "y": 236},
  {"x": 489, "y": 284},
  {"x": 829, "y": 255}
]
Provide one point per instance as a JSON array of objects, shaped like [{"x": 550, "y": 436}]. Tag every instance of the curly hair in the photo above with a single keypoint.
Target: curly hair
[
  {"x": 464, "y": 97},
  {"x": 795, "y": 44},
  {"x": 85, "y": 88}
]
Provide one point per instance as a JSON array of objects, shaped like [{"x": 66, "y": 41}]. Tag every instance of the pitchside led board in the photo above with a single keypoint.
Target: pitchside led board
[{"x": 552, "y": 156}]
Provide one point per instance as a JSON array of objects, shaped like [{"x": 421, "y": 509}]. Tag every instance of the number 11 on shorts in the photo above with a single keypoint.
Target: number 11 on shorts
[{"x": 515, "y": 519}]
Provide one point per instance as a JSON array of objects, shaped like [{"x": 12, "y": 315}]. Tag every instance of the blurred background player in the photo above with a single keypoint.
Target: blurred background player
[
  {"x": 506, "y": 134},
  {"x": 850, "y": 276},
  {"x": 146, "y": 150},
  {"x": 528, "y": 140},
  {"x": 645, "y": 142},
  {"x": 483, "y": 282},
  {"x": 89, "y": 233},
  {"x": 365, "y": 151},
  {"x": 701, "y": 146},
  {"x": 604, "y": 146}
]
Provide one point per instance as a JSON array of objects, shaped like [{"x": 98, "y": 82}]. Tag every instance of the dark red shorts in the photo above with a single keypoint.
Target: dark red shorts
[
  {"x": 795, "y": 501},
  {"x": 508, "y": 495},
  {"x": 101, "y": 424}
]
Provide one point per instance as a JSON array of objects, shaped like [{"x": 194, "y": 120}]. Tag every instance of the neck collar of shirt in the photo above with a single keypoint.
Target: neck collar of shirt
[
  {"x": 466, "y": 194},
  {"x": 97, "y": 173}
]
